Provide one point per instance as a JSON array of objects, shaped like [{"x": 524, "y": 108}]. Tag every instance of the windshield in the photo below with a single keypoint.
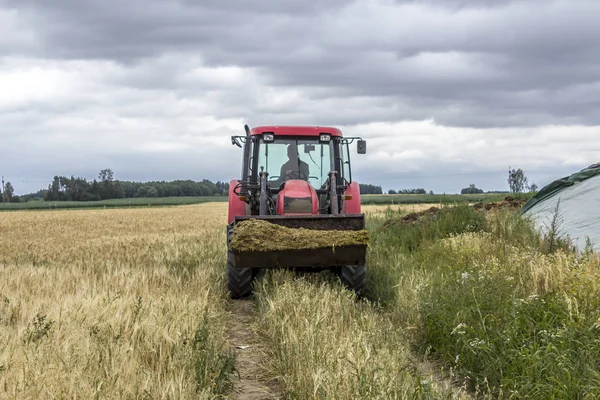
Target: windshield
[{"x": 293, "y": 158}]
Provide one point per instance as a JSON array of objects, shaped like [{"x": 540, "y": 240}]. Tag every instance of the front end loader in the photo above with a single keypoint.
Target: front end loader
[{"x": 297, "y": 177}]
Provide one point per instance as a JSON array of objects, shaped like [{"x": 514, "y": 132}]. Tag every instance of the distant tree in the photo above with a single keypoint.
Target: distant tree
[
  {"x": 108, "y": 188},
  {"x": 53, "y": 192},
  {"x": 533, "y": 187},
  {"x": 212, "y": 188},
  {"x": 472, "y": 189},
  {"x": 142, "y": 191},
  {"x": 39, "y": 195},
  {"x": 222, "y": 187},
  {"x": 412, "y": 191},
  {"x": 366, "y": 188},
  {"x": 392, "y": 191},
  {"x": 15, "y": 199},
  {"x": 95, "y": 189},
  {"x": 152, "y": 192},
  {"x": 8, "y": 191},
  {"x": 431, "y": 192},
  {"x": 517, "y": 181},
  {"x": 105, "y": 175},
  {"x": 118, "y": 190}
]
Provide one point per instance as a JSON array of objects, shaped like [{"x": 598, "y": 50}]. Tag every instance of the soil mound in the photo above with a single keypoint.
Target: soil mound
[{"x": 509, "y": 202}]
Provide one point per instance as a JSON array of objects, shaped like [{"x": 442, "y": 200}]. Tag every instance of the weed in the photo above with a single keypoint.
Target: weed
[
  {"x": 37, "y": 329},
  {"x": 213, "y": 365}
]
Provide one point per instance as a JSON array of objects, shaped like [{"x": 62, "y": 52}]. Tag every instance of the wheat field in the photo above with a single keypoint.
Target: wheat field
[{"x": 113, "y": 304}]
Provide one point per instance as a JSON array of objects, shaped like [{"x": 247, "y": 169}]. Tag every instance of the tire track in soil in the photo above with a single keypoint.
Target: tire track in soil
[{"x": 252, "y": 383}]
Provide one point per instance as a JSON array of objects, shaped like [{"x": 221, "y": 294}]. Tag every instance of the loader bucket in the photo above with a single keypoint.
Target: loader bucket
[{"x": 323, "y": 257}]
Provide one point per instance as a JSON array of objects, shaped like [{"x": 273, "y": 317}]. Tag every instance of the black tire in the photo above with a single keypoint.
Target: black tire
[
  {"x": 353, "y": 276},
  {"x": 239, "y": 280}
]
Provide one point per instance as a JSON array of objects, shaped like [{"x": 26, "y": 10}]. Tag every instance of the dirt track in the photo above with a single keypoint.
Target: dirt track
[{"x": 252, "y": 383}]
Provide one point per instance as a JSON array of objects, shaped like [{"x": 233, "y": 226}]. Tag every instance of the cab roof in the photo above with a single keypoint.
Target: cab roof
[{"x": 296, "y": 130}]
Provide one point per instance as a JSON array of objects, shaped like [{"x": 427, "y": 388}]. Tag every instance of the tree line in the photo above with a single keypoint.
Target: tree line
[
  {"x": 366, "y": 188},
  {"x": 517, "y": 183},
  {"x": 106, "y": 187},
  {"x": 409, "y": 191}
]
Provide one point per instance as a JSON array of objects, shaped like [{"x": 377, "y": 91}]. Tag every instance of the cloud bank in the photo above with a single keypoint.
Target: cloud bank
[{"x": 446, "y": 92}]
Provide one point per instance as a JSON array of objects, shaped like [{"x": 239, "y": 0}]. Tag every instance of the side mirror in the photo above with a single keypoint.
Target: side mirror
[
  {"x": 361, "y": 146},
  {"x": 235, "y": 141}
]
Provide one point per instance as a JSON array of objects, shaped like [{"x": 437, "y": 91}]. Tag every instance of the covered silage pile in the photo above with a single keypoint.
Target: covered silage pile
[{"x": 574, "y": 203}]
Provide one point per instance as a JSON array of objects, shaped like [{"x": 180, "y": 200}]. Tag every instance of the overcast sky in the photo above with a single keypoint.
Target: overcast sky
[{"x": 446, "y": 92}]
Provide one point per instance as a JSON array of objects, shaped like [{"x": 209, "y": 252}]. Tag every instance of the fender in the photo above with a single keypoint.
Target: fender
[
  {"x": 236, "y": 206},
  {"x": 352, "y": 206}
]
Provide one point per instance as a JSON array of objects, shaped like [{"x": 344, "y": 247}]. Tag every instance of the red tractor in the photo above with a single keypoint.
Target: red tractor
[{"x": 297, "y": 177}]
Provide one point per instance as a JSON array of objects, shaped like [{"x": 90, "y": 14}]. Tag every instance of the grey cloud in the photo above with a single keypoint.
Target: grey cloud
[
  {"x": 479, "y": 59},
  {"x": 187, "y": 73}
]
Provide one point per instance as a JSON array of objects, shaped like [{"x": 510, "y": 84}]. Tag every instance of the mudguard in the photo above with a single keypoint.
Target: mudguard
[
  {"x": 237, "y": 207},
  {"x": 352, "y": 206}
]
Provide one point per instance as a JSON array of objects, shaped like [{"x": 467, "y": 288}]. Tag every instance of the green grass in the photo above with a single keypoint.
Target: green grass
[
  {"x": 116, "y": 203},
  {"x": 176, "y": 201},
  {"x": 487, "y": 300},
  {"x": 434, "y": 198}
]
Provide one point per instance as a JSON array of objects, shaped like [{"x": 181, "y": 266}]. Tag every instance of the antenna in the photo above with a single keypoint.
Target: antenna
[{"x": 3, "y": 193}]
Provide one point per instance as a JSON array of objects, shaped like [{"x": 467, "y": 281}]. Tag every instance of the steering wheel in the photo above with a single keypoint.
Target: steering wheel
[{"x": 296, "y": 175}]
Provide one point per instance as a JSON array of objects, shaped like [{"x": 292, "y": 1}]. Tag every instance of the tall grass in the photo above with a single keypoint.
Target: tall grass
[
  {"x": 325, "y": 344},
  {"x": 492, "y": 302},
  {"x": 113, "y": 304}
]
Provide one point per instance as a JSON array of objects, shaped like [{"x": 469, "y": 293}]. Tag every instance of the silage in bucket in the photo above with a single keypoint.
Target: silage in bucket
[{"x": 259, "y": 235}]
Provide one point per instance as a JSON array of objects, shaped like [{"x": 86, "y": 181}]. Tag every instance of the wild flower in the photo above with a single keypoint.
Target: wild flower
[
  {"x": 465, "y": 277},
  {"x": 459, "y": 329}
]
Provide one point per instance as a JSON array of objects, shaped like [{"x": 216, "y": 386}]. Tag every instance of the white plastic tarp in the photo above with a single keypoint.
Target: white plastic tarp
[{"x": 578, "y": 214}]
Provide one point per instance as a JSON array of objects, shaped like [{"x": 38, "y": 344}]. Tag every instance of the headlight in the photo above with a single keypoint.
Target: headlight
[
  {"x": 268, "y": 137},
  {"x": 324, "y": 137}
]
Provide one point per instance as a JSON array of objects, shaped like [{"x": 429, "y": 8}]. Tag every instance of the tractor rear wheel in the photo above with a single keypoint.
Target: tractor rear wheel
[{"x": 353, "y": 276}]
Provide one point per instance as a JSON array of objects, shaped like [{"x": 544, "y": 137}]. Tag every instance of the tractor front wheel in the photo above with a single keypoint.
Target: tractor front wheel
[
  {"x": 353, "y": 276},
  {"x": 239, "y": 280}
]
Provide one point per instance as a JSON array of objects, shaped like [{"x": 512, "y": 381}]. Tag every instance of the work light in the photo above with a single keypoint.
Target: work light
[
  {"x": 324, "y": 137},
  {"x": 268, "y": 137}
]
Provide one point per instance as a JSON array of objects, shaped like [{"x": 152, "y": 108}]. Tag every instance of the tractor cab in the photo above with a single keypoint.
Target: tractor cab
[{"x": 297, "y": 164}]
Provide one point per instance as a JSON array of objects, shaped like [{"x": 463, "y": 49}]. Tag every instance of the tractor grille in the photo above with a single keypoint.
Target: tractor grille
[{"x": 293, "y": 205}]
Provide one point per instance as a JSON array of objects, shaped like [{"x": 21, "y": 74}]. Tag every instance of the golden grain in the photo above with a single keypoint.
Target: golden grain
[{"x": 106, "y": 303}]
